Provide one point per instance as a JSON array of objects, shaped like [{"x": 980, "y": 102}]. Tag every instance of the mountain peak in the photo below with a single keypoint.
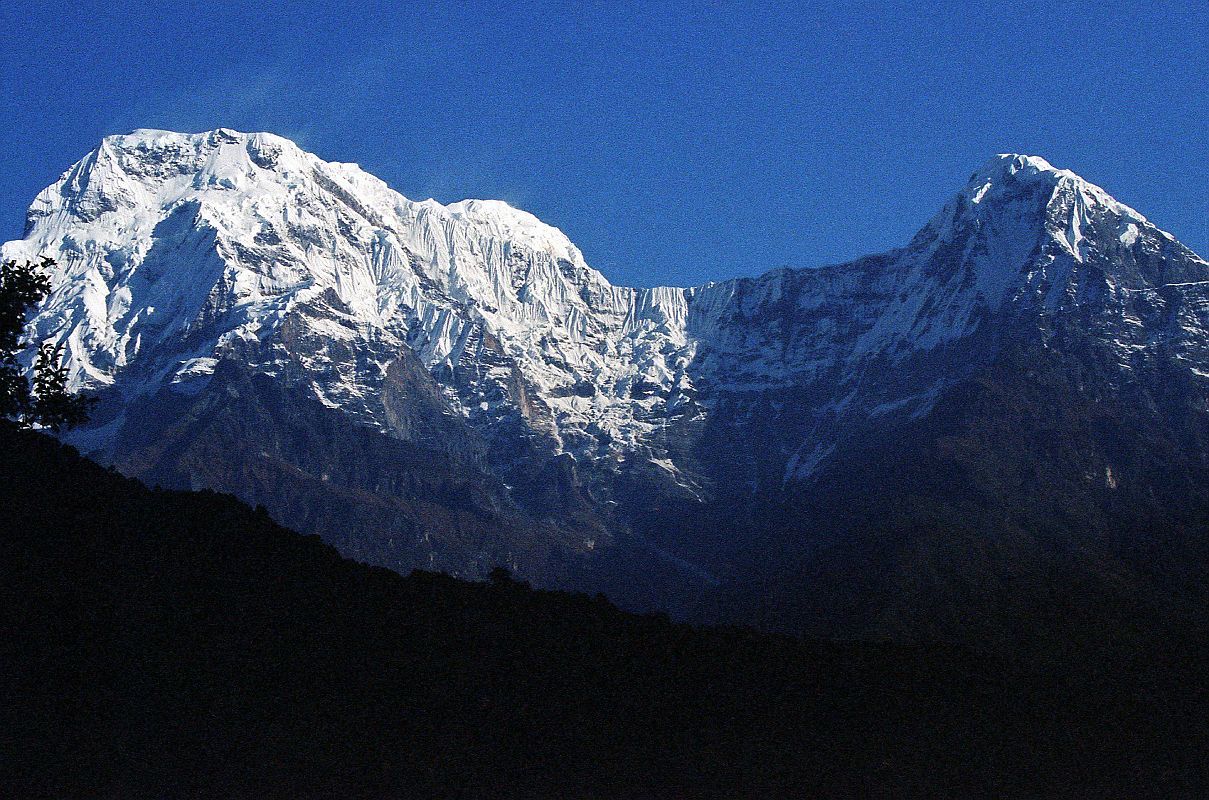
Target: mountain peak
[
  {"x": 1017, "y": 162},
  {"x": 1007, "y": 172},
  {"x": 144, "y": 144},
  {"x": 1014, "y": 168},
  {"x": 154, "y": 138},
  {"x": 1016, "y": 185}
]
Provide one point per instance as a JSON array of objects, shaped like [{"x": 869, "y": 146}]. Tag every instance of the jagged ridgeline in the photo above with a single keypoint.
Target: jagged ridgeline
[{"x": 1014, "y": 400}]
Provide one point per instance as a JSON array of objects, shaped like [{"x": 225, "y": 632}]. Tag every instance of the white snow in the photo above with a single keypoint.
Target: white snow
[{"x": 177, "y": 250}]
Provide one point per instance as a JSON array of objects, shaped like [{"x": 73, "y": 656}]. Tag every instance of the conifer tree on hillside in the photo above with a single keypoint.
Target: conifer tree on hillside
[{"x": 48, "y": 403}]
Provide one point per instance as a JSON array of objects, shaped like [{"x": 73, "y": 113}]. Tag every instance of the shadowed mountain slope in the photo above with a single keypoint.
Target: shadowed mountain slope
[{"x": 863, "y": 448}]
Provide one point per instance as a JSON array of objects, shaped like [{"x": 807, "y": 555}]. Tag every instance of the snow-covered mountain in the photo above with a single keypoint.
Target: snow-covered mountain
[
  {"x": 175, "y": 250},
  {"x": 477, "y": 337}
]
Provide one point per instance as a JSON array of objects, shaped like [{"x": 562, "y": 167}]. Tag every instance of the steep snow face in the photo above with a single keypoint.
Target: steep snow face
[
  {"x": 158, "y": 234},
  {"x": 811, "y": 353},
  {"x": 1015, "y": 226},
  {"x": 176, "y": 251}
]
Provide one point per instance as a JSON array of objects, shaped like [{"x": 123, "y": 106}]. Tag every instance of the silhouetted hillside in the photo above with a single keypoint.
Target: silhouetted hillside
[{"x": 173, "y": 644}]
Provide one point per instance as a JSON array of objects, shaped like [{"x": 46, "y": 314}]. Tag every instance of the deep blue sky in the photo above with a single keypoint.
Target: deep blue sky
[{"x": 701, "y": 141}]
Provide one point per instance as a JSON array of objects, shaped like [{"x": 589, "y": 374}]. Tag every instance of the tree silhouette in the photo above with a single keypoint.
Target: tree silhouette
[{"x": 49, "y": 404}]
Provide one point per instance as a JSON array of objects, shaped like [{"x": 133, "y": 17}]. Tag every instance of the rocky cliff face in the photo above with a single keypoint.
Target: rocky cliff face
[{"x": 453, "y": 386}]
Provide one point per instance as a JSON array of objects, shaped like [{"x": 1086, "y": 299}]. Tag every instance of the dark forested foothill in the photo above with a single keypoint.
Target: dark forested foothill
[{"x": 175, "y": 644}]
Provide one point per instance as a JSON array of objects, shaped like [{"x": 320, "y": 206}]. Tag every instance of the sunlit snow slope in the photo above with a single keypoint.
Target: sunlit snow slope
[{"x": 472, "y": 327}]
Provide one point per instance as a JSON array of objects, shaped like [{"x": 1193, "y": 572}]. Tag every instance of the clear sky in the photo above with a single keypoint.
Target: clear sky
[{"x": 673, "y": 142}]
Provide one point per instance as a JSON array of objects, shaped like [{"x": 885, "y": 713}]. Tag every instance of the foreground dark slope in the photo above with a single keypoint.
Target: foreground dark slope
[{"x": 175, "y": 644}]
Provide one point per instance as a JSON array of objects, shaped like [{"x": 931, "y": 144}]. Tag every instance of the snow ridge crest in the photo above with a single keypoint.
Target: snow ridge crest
[{"x": 178, "y": 250}]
